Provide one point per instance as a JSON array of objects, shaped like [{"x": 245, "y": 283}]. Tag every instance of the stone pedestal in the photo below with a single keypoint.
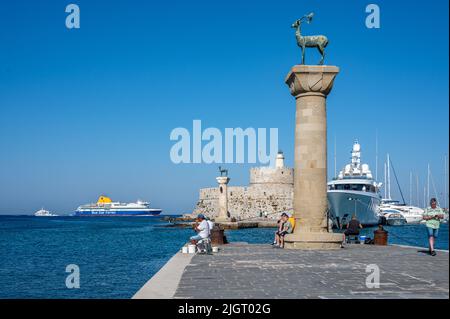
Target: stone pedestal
[
  {"x": 223, "y": 199},
  {"x": 310, "y": 85}
]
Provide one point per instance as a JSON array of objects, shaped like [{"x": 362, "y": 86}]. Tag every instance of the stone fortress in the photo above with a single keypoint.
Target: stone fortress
[{"x": 269, "y": 193}]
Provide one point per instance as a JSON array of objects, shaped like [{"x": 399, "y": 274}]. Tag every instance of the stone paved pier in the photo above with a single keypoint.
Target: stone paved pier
[{"x": 260, "y": 271}]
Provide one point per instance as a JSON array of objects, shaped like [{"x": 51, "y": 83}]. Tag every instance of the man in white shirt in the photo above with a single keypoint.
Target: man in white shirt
[
  {"x": 211, "y": 225},
  {"x": 202, "y": 227}
]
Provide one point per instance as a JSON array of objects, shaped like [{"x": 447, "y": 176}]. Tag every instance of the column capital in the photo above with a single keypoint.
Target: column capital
[{"x": 311, "y": 79}]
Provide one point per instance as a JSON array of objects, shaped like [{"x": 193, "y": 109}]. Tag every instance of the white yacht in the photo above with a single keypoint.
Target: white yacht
[
  {"x": 392, "y": 217},
  {"x": 354, "y": 192},
  {"x": 44, "y": 213},
  {"x": 412, "y": 214}
]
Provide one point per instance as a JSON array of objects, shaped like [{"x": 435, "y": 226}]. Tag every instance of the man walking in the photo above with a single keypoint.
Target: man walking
[{"x": 433, "y": 216}]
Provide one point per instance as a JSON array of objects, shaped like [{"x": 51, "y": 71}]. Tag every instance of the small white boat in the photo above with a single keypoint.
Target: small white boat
[
  {"x": 44, "y": 213},
  {"x": 413, "y": 215},
  {"x": 392, "y": 217}
]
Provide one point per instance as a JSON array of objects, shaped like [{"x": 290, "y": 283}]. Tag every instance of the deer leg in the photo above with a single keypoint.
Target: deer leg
[
  {"x": 303, "y": 55},
  {"x": 322, "y": 52}
]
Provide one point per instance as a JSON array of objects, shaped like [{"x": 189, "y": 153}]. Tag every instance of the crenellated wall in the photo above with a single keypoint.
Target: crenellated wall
[{"x": 269, "y": 175}]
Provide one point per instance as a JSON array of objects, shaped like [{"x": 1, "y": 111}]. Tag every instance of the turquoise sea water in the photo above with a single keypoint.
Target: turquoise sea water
[{"x": 116, "y": 255}]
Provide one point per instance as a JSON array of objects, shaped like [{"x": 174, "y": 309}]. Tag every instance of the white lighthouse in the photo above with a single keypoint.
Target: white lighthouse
[{"x": 279, "y": 161}]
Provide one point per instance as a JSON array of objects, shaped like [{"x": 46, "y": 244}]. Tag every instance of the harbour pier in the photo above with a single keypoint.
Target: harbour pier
[{"x": 241, "y": 270}]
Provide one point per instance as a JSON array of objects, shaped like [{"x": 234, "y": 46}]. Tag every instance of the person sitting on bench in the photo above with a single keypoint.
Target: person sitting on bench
[
  {"x": 202, "y": 227},
  {"x": 353, "y": 228},
  {"x": 284, "y": 228}
]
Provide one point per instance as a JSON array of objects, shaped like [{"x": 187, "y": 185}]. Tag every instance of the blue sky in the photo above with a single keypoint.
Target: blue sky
[{"x": 90, "y": 111}]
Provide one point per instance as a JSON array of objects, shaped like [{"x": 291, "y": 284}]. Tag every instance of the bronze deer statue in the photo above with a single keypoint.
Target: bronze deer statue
[
  {"x": 313, "y": 41},
  {"x": 223, "y": 171}
]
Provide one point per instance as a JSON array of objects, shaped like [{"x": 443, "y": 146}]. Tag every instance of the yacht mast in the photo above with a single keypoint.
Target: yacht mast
[
  {"x": 445, "y": 181},
  {"x": 424, "y": 197},
  {"x": 398, "y": 184},
  {"x": 428, "y": 181},
  {"x": 376, "y": 155},
  {"x": 385, "y": 179},
  {"x": 335, "y": 173},
  {"x": 388, "y": 178},
  {"x": 417, "y": 191},
  {"x": 410, "y": 187},
  {"x": 434, "y": 188}
]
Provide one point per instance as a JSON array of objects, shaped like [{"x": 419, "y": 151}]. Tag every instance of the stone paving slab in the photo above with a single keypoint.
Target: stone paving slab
[{"x": 260, "y": 271}]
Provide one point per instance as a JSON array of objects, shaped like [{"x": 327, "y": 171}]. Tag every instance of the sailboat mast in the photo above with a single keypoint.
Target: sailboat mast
[
  {"x": 434, "y": 188},
  {"x": 388, "y": 178},
  {"x": 417, "y": 191},
  {"x": 428, "y": 181},
  {"x": 376, "y": 155},
  {"x": 335, "y": 173},
  {"x": 445, "y": 181},
  {"x": 410, "y": 187},
  {"x": 424, "y": 197},
  {"x": 385, "y": 181}
]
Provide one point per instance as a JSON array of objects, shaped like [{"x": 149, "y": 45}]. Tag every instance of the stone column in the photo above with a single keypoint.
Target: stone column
[
  {"x": 223, "y": 199},
  {"x": 310, "y": 85}
]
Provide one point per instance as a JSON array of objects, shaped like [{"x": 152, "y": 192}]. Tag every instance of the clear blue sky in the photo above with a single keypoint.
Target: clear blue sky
[{"x": 89, "y": 111}]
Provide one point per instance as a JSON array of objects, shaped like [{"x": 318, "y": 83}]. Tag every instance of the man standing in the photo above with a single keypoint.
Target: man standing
[
  {"x": 202, "y": 227},
  {"x": 433, "y": 216}
]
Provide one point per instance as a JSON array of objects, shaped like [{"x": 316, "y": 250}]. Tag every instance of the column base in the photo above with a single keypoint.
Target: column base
[
  {"x": 221, "y": 219},
  {"x": 313, "y": 241}
]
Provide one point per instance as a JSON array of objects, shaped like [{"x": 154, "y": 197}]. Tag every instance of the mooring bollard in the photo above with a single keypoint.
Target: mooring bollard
[
  {"x": 217, "y": 236},
  {"x": 380, "y": 236}
]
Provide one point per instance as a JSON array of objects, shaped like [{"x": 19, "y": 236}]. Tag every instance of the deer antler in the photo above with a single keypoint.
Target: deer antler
[{"x": 309, "y": 17}]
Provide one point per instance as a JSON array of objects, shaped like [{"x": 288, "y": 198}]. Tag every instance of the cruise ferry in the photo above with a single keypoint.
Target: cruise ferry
[
  {"x": 354, "y": 192},
  {"x": 106, "y": 207}
]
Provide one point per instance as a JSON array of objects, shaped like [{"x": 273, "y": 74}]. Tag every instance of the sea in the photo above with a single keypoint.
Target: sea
[{"x": 115, "y": 256}]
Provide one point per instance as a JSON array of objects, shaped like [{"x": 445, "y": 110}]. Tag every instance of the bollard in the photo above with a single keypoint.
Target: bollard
[
  {"x": 380, "y": 236},
  {"x": 217, "y": 236}
]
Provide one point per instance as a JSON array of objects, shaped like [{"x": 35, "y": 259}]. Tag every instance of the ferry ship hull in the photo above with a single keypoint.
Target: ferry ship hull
[
  {"x": 118, "y": 212},
  {"x": 342, "y": 208},
  {"x": 106, "y": 207}
]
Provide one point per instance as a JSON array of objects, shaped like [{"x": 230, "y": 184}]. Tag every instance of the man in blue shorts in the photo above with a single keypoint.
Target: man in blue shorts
[{"x": 433, "y": 216}]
